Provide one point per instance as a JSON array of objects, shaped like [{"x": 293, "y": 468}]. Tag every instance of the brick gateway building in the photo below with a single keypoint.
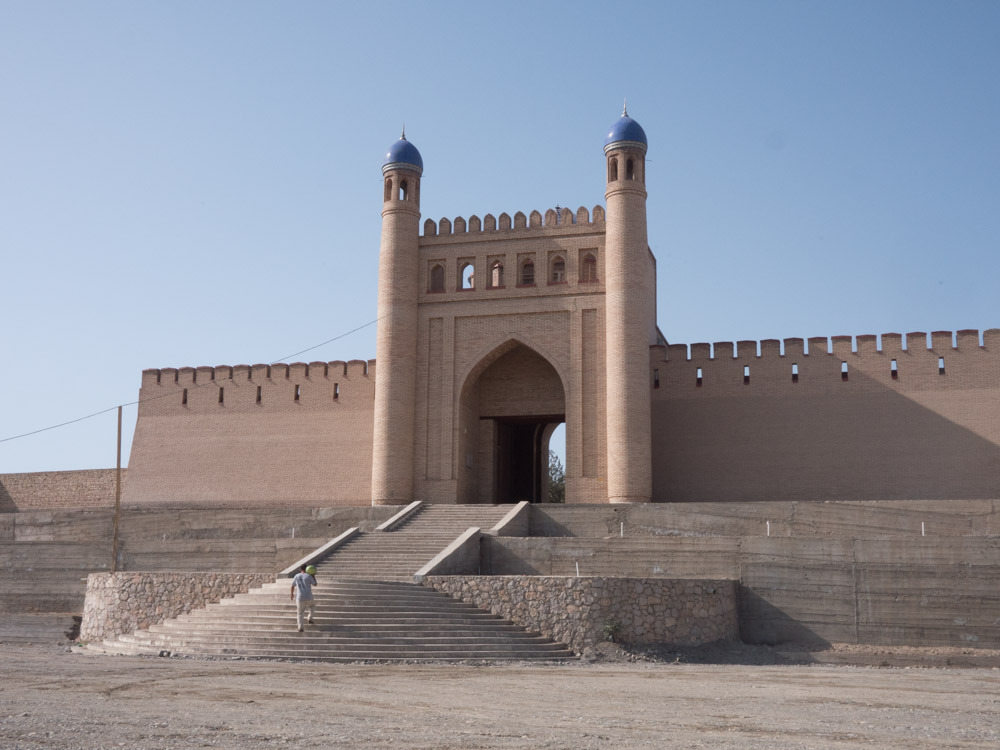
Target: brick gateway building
[{"x": 494, "y": 330}]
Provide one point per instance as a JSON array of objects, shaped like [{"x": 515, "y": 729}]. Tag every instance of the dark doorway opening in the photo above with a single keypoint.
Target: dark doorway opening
[{"x": 522, "y": 457}]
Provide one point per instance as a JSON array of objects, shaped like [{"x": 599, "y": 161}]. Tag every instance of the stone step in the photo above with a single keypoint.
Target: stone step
[
  {"x": 299, "y": 642},
  {"x": 357, "y": 620},
  {"x": 276, "y": 624},
  {"x": 336, "y": 605},
  {"x": 341, "y": 603},
  {"x": 356, "y": 653},
  {"x": 468, "y": 618},
  {"x": 353, "y": 584},
  {"x": 325, "y": 640},
  {"x": 385, "y": 612},
  {"x": 358, "y": 656}
]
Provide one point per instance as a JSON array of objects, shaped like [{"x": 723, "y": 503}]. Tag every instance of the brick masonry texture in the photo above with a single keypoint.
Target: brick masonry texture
[
  {"x": 120, "y": 603},
  {"x": 259, "y": 446},
  {"x": 923, "y": 434},
  {"x": 581, "y": 612},
  {"x": 93, "y": 488}
]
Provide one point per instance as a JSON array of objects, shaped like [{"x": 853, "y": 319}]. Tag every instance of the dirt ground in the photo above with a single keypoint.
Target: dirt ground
[{"x": 53, "y": 698}]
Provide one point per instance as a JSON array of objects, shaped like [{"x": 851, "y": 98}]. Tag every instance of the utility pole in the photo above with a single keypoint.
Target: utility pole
[{"x": 118, "y": 498}]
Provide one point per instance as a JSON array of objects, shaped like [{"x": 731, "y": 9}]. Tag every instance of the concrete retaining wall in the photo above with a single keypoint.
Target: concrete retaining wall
[
  {"x": 666, "y": 557},
  {"x": 919, "y": 591},
  {"x": 902, "y": 592},
  {"x": 46, "y": 554},
  {"x": 124, "y": 602},
  {"x": 870, "y": 520},
  {"x": 583, "y": 611}
]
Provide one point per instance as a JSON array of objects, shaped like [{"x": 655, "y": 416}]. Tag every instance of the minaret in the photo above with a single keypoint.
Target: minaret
[
  {"x": 396, "y": 344},
  {"x": 629, "y": 288}
]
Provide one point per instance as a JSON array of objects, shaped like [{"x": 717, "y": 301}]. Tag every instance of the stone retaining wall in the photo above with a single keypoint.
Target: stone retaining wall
[
  {"x": 581, "y": 612},
  {"x": 119, "y": 603}
]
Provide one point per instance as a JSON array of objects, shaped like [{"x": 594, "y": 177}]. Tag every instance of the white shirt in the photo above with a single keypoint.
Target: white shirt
[{"x": 303, "y": 583}]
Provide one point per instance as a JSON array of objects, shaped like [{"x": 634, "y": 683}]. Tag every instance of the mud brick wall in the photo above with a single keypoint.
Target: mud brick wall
[
  {"x": 854, "y": 418},
  {"x": 119, "y": 603},
  {"x": 93, "y": 488},
  {"x": 580, "y": 612},
  {"x": 253, "y": 436}
]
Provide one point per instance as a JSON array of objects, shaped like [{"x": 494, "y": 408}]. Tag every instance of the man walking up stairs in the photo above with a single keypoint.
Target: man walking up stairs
[{"x": 301, "y": 592}]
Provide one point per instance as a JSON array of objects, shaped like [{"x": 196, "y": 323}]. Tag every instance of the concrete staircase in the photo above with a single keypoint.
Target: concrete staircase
[
  {"x": 355, "y": 621},
  {"x": 367, "y": 608},
  {"x": 396, "y": 555}
]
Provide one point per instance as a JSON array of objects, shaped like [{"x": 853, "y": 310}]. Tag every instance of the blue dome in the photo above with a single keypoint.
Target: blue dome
[
  {"x": 625, "y": 129},
  {"x": 401, "y": 153}
]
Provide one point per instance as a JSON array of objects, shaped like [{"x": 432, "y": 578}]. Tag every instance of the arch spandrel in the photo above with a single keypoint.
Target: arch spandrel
[
  {"x": 509, "y": 400},
  {"x": 490, "y": 353}
]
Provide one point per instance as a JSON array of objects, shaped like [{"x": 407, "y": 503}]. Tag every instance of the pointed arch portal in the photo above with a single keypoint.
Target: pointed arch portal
[{"x": 510, "y": 404}]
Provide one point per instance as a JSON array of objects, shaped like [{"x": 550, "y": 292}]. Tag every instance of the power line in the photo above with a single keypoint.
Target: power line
[
  {"x": 195, "y": 385},
  {"x": 328, "y": 341},
  {"x": 63, "y": 424}
]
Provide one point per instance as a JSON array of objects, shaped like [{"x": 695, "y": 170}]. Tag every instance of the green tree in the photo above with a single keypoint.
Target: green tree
[{"x": 557, "y": 479}]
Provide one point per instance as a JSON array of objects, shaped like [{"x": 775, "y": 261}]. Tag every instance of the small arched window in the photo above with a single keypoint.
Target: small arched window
[
  {"x": 402, "y": 190},
  {"x": 558, "y": 274},
  {"x": 466, "y": 274},
  {"x": 528, "y": 273},
  {"x": 388, "y": 188},
  {"x": 613, "y": 170},
  {"x": 437, "y": 278},
  {"x": 496, "y": 274},
  {"x": 588, "y": 269},
  {"x": 629, "y": 170}
]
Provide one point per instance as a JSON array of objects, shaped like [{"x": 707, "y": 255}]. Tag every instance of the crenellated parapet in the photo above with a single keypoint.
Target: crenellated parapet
[
  {"x": 562, "y": 220},
  {"x": 940, "y": 360},
  {"x": 266, "y": 387}
]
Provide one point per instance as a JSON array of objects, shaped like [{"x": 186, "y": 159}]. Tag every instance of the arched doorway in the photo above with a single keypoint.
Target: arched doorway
[{"x": 509, "y": 406}]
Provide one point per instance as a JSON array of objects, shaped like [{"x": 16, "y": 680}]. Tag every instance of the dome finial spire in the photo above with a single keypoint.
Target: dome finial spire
[
  {"x": 625, "y": 108},
  {"x": 403, "y": 136}
]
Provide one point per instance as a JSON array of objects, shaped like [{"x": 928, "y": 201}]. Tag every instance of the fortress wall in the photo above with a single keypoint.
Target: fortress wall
[
  {"x": 307, "y": 441},
  {"x": 93, "y": 488},
  {"x": 827, "y": 435}
]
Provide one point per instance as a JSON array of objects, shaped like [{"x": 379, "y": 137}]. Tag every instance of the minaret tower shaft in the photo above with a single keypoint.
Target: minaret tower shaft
[
  {"x": 396, "y": 342},
  {"x": 630, "y": 309}
]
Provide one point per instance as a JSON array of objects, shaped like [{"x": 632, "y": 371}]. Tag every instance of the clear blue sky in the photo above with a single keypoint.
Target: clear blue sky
[{"x": 198, "y": 183}]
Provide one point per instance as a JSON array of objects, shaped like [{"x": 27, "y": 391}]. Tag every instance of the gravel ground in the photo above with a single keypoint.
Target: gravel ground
[{"x": 52, "y": 698}]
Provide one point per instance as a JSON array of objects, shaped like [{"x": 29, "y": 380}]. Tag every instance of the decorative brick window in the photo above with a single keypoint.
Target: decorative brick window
[
  {"x": 436, "y": 280},
  {"x": 466, "y": 274},
  {"x": 495, "y": 278},
  {"x": 557, "y": 270},
  {"x": 526, "y": 277},
  {"x": 588, "y": 268}
]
